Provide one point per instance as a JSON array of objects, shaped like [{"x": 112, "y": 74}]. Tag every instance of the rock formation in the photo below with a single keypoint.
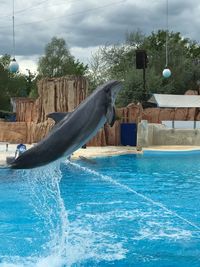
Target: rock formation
[
  {"x": 59, "y": 95},
  {"x": 25, "y": 109},
  {"x": 64, "y": 94},
  {"x": 55, "y": 95}
]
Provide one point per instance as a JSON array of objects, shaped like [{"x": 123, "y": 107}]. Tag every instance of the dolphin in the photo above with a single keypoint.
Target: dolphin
[{"x": 73, "y": 129}]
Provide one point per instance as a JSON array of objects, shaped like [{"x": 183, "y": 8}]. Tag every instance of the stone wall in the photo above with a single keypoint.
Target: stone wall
[
  {"x": 157, "y": 115},
  {"x": 15, "y": 132},
  {"x": 23, "y": 132},
  {"x": 33, "y": 132},
  {"x": 64, "y": 94}
]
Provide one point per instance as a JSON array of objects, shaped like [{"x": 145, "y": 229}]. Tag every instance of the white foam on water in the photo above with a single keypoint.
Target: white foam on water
[
  {"x": 101, "y": 203},
  {"x": 128, "y": 189},
  {"x": 50, "y": 261},
  {"x": 66, "y": 244},
  {"x": 162, "y": 232},
  {"x": 48, "y": 205},
  {"x": 90, "y": 245}
]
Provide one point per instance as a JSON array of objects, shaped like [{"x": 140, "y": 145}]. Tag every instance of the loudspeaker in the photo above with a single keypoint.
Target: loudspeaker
[{"x": 141, "y": 59}]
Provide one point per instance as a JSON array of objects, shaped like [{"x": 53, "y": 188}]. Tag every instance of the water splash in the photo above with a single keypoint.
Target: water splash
[
  {"x": 127, "y": 188},
  {"x": 42, "y": 186},
  {"x": 49, "y": 206},
  {"x": 57, "y": 242}
]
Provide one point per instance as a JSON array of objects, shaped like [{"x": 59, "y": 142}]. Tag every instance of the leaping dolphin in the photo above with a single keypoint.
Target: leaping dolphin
[{"x": 73, "y": 129}]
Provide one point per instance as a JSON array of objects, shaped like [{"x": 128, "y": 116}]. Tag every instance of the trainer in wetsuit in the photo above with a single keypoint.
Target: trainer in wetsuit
[{"x": 21, "y": 148}]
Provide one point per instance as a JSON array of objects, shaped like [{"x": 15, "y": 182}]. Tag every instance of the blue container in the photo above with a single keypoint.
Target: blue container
[{"x": 129, "y": 134}]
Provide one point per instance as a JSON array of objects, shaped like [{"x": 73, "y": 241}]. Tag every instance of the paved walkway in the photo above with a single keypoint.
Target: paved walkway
[{"x": 9, "y": 151}]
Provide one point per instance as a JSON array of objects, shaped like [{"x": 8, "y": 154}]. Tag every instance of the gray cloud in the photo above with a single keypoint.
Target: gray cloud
[{"x": 91, "y": 23}]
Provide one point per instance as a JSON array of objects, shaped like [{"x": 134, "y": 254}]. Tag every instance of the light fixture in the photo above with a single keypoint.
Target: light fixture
[
  {"x": 166, "y": 73},
  {"x": 13, "y": 66}
]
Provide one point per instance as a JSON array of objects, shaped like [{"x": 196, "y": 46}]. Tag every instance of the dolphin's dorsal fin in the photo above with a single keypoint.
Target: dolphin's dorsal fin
[
  {"x": 58, "y": 116},
  {"x": 110, "y": 116}
]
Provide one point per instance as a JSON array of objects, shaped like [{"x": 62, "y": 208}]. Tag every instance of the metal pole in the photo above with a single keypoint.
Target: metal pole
[
  {"x": 144, "y": 83},
  {"x": 166, "y": 46},
  {"x": 13, "y": 20},
  {"x": 144, "y": 76}
]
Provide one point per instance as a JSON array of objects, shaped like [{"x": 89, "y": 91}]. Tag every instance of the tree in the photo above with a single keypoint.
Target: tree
[
  {"x": 119, "y": 63},
  {"x": 31, "y": 84},
  {"x": 5, "y": 60},
  {"x": 98, "y": 72},
  {"x": 12, "y": 85},
  {"x": 58, "y": 61},
  {"x": 182, "y": 57}
]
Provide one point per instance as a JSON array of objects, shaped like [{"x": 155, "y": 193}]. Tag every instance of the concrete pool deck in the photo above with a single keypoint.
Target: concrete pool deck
[
  {"x": 88, "y": 152},
  {"x": 91, "y": 152}
]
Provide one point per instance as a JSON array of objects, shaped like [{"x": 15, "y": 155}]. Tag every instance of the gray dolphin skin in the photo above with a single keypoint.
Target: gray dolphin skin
[{"x": 73, "y": 129}]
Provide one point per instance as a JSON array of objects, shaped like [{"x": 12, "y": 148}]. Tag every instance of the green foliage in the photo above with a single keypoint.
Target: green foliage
[
  {"x": 5, "y": 61},
  {"x": 97, "y": 73},
  {"x": 31, "y": 84},
  {"x": 182, "y": 55},
  {"x": 12, "y": 85},
  {"x": 58, "y": 61},
  {"x": 118, "y": 62},
  {"x": 133, "y": 89}
]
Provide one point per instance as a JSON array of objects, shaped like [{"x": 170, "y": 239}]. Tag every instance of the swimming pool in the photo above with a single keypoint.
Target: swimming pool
[{"x": 130, "y": 210}]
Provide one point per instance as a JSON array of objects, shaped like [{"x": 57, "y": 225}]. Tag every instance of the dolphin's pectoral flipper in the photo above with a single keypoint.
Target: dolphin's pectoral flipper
[
  {"x": 58, "y": 116},
  {"x": 110, "y": 116}
]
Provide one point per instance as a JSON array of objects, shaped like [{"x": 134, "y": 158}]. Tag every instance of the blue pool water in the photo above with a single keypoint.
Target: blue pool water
[{"x": 130, "y": 210}]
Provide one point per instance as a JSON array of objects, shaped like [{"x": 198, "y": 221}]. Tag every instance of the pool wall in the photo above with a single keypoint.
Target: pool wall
[{"x": 151, "y": 134}]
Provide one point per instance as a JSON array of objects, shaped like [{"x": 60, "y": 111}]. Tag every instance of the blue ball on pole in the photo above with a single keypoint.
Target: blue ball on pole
[
  {"x": 166, "y": 73},
  {"x": 14, "y": 66}
]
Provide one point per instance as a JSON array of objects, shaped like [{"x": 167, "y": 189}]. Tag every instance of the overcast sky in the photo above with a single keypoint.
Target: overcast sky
[{"x": 87, "y": 24}]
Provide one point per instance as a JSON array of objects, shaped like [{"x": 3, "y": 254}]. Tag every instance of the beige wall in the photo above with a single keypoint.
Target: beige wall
[{"x": 150, "y": 134}]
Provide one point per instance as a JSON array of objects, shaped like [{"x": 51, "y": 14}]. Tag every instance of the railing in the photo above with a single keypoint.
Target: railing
[
  {"x": 4, "y": 146},
  {"x": 182, "y": 124}
]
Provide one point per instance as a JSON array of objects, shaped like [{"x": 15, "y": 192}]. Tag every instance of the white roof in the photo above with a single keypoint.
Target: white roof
[{"x": 175, "y": 101}]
